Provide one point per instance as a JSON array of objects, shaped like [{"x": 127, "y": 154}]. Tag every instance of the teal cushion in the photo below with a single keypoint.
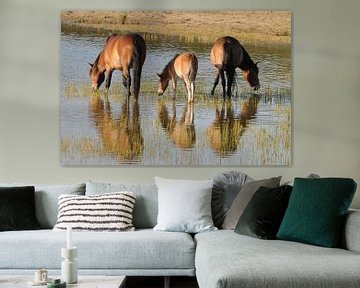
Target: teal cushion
[{"x": 316, "y": 211}]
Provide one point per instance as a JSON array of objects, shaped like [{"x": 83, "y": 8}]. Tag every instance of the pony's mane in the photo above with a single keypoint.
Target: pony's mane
[
  {"x": 247, "y": 61},
  {"x": 96, "y": 62},
  {"x": 169, "y": 66},
  {"x": 110, "y": 36}
]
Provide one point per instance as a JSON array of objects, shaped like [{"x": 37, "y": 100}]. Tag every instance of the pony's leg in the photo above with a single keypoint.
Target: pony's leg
[
  {"x": 188, "y": 88},
  {"x": 108, "y": 79},
  {"x": 174, "y": 81},
  {"x": 215, "y": 83},
  {"x": 127, "y": 80},
  {"x": 192, "y": 86},
  {"x": 223, "y": 83},
  {"x": 230, "y": 80}
]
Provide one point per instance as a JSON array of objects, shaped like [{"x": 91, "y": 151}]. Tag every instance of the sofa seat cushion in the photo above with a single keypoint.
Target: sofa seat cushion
[
  {"x": 226, "y": 259},
  {"x": 143, "y": 249}
]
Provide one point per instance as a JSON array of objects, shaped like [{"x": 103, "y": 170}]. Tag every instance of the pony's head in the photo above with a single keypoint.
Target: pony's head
[
  {"x": 163, "y": 83},
  {"x": 251, "y": 75},
  {"x": 97, "y": 77}
]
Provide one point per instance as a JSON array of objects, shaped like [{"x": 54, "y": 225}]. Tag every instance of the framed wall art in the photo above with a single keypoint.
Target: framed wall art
[{"x": 176, "y": 88}]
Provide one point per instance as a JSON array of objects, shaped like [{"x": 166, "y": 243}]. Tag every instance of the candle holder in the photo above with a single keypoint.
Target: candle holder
[{"x": 68, "y": 265}]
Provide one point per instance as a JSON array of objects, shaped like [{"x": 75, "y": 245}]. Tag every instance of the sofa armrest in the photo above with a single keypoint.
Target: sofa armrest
[{"x": 351, "y": 232}]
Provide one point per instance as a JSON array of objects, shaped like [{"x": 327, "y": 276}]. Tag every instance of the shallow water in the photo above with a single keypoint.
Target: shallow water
[{"x": 250, "y": 129}]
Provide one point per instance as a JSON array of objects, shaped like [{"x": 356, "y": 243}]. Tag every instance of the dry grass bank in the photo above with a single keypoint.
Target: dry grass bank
[{"x": 247, "y": 26}]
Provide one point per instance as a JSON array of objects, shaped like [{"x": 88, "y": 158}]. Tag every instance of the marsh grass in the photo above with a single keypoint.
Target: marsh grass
[
  {"x": 267, "y": 143},
  {"x": 250, "y": 26},
  {"x": 149, "y": 87}
]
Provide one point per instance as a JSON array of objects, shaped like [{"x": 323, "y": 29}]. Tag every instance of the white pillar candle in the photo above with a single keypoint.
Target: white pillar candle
[{"x": 69, "y": 237}]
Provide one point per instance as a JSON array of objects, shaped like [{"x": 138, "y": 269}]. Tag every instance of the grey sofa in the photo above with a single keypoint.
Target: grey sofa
[{"x": 218, "y": 259}]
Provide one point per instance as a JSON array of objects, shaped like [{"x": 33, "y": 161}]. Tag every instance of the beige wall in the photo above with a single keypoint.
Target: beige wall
[{"x": 326, "y": 91}]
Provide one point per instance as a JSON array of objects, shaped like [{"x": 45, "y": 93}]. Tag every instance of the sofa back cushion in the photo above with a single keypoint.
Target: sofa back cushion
[
  {"x": 146, "y": 204},
  {"x": 17, "y": 209},
  {"x": 317, "y": 210},
  {"x": 46, "y": 200}
]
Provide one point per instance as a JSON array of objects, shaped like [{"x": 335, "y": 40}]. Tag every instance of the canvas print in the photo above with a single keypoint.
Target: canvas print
[{"x": 175, "y": 88}]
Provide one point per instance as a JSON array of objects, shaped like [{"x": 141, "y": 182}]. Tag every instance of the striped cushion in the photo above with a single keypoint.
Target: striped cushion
[{"x": 105, "y": 212}]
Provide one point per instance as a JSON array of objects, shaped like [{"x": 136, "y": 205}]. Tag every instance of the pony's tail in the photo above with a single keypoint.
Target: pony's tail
[
  {"x": 193, "y": 72},
  {"x": 140, "y": 52},
  {"x": 229, "y": 65}
]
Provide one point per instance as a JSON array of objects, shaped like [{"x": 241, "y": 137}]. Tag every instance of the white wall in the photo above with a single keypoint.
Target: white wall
[{"x": 326, "y": 91}]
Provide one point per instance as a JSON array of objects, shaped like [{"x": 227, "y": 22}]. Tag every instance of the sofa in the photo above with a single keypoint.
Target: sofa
[{"x": 218, "y": 258}]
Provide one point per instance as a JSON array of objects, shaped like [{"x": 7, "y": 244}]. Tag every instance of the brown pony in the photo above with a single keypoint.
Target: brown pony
[
  {"x": 121, "y": 52},
  {"x": 227, "y": 54},
  {"x": 184, "y": 66}
]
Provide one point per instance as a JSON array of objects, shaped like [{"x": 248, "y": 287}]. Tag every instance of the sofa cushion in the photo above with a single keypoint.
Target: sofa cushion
[
  {"x": 46, "y": 200},
  {"x": 17, "y": 208},
  {"x": 225, "y": 189},
  {"x": 146, "y": 205},
  {"x": 263, "y": 215},
  {"x": 243, "y": 198},
  {"x": 225, "y": 259},
  {"x": 350, "y": 239},
  {"x": 317, "y": 209},
  {"x": 184, "y": 205},
  {"x": 138, "y": 250},
  {"x": 105, "y": 212}
]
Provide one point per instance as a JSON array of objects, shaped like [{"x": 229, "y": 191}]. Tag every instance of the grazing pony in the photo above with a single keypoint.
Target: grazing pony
[
  {"x": 184, "y": 66},
  {"x": 227, "y": 54},
  {"x": 121, "y": 52}
]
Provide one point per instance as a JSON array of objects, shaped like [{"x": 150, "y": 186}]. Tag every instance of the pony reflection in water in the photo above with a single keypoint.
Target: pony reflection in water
[
  {"x": 184, "y": 66},
  {"x": 121, "y": 52},
  {"x": 226, "y": 55},
  {"x": 226, "y": 130},
  {"x": 121, "y": 136},
  {"x": 180, "y": 131}
]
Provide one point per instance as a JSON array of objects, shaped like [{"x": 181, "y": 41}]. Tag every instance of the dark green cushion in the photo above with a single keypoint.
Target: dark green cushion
[
  {"x": 17, "y": 208},
  {"x": 263, "y": 214},
  {"x": 316, "y": 211}
]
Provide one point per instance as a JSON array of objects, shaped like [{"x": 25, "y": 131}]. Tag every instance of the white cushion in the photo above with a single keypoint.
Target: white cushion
[
  {"x": 105, "y": 212},
  {"x": 184, "y": 205}
]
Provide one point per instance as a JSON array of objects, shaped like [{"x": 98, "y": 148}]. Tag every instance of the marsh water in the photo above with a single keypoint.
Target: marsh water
[{"x": 251, "y": 128}]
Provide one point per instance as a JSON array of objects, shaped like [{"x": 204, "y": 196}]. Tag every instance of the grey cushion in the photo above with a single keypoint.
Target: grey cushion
[
  {"x": 146, "y": 204},
  {"x": 243, "y": 198},
  {"x": 143, "y": 249},
  {"x": 225, "y": 259},
  {"x": 351, "y": 234},
  {"x": 184, "y": 205},
  {"x": 46, "y": 200},
  {"x": 225, "y": 189}
]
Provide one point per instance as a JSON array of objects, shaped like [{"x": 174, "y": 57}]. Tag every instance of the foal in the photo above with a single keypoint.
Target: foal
[{"x": 184, "y": 66}]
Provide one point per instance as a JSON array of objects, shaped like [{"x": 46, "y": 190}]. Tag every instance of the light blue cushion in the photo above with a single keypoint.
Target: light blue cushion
[
  {"x": 225, "y": 259},
  {"x": 146, "y": 204},
  {"x": 137, "y": 250},
  {"x": 184, "y": 205}
]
